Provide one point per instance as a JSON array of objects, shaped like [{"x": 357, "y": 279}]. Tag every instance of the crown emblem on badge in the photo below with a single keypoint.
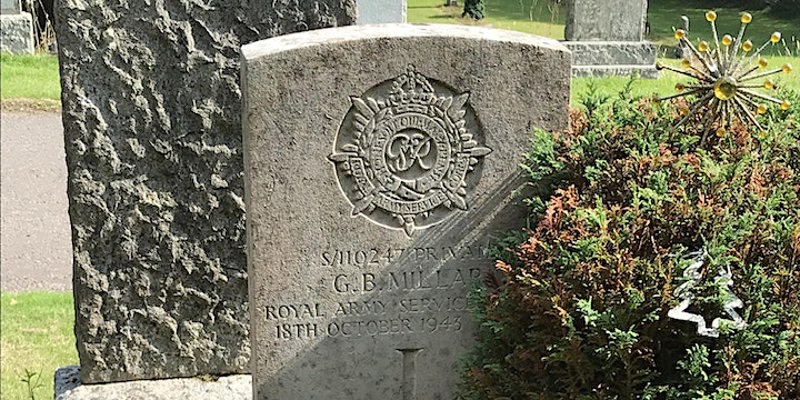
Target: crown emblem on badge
[{"x": 407, "y": 151}]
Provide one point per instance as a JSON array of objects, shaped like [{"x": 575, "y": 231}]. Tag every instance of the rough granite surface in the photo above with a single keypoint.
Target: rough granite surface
[
  {"x": 381, "y": 162},
  {"x": 151, "y": 112},
  {"x": 234, "y": 387},
  {"x": 16, "y": 33}
]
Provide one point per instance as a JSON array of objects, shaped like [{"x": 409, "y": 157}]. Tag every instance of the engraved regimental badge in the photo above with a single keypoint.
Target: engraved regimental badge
[{"x": 408, "y": 152}]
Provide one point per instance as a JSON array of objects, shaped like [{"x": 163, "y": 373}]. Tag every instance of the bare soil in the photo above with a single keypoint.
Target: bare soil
[{"x": 30, "y": 106}]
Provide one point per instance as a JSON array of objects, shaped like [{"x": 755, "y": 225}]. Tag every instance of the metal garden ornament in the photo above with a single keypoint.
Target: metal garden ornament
[
  {"x": 725, "y": 79},
  {"x": 685, "y": 292}
]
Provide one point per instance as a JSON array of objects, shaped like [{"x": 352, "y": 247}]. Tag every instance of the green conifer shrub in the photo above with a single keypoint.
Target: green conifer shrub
[{"x": 577, "y": 307}]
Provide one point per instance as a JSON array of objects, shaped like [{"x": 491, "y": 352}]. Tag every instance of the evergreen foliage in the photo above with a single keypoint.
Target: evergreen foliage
[{"x": 577, "y": 308}]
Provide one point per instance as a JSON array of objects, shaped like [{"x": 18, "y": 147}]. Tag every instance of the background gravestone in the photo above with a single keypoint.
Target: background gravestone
[
  {"x": 610, "y": 20},
  {"x": 607, "y": 37},
  {"x": 16, "y": 28},
  {"x": 151, "y": 111},
  {"x": 381, "y": 162},
  {"x": 381, "y": 11}
]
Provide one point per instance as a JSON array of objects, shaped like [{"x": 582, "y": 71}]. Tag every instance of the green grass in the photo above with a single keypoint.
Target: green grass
[
  {"x": 665, "y": 14},
  {"x": 36, "y": 328},
  {"x": 36, "y": 76},
  {"x": 665, "y": 84},
  {"x": 29, "y": 77},
  {"x": 542, "y": 17},
  {"x": 538, "y": 17},
  {"x": 36, "y": 335}
]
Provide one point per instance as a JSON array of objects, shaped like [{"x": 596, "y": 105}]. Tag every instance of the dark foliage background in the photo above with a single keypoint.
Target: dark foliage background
[{"x": 776, "y": 5}]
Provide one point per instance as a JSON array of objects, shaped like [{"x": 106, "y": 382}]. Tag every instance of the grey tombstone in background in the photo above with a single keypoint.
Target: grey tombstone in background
[
  {"x": 10, "y": 6},
  {"x": 612, "y": 20},
  {"x": 151, "y": 111},
  {"x": 380, "y": 164},
  {"x": 607, "y": 37},
  {"x": 381, "y": 11},
  {"x": 16, "y": 28}
]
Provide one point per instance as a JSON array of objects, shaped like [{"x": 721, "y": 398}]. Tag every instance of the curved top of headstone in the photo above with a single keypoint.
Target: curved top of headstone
[
  {"x": 380, "y": 163},
  {"x": 382, "y": 31}
]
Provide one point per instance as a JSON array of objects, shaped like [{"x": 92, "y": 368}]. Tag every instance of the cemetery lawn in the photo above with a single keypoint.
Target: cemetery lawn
[
  {"x": 36, "y": 336},
  {"x": 665, "y": 84},
  {"x": 664, "y": 14},
  {"x": 29, "y": 77},
  {"x": 541, "y": 17},
  {"x": 36, "y": 76}
]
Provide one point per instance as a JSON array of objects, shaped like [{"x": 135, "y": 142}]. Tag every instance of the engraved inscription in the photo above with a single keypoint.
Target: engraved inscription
[
  {"x": 427, "y": 295},
  {"x": 369, "y": 327},
  {"x": 375, "y": 256},
  {"x": 377, "y": 317},
  {"x": 404, "y": 281},
  {"x": 408, "y": 152}
]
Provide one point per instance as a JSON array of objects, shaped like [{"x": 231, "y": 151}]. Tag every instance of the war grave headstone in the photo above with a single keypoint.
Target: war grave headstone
[
  {"x": 607, "y": 37},
  {"x": 151, "y": 111},
  {"x": 381, "y": 11},
  {"x": 380, "y": 164},
  {"x": 16, "y": 28}
]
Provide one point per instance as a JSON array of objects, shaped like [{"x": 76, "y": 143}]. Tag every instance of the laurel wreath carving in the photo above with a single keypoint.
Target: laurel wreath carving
[{"x": 411, "y": 95}]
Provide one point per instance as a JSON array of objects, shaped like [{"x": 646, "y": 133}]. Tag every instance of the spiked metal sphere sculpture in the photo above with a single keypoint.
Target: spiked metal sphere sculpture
[{"x": 725, "y": 79}]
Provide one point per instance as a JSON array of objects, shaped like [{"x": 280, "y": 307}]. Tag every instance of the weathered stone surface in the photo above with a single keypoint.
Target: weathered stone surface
[
  {"x": 381, "y": 11},
  {"x": 606, "y": 38},
  {"x": 607, "y": 20},
  {"x": 596, "y": 58},
  {"x": 380, "y": 163},
  {"x": 612, "y": 53},
  {"x": 235, "y": 387},
  {"x": 647, "y": 72},
  {"x": 10, "y": 7},
  {"x": 151, "y": 110},
  {"x": 16, "y": 32}
]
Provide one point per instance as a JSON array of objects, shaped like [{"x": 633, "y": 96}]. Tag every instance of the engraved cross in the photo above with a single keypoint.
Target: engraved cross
[{"x": 409, "y": 373}]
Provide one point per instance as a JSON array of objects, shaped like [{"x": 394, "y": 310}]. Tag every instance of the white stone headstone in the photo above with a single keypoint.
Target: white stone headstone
[{"x": 380, "y": 164}]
